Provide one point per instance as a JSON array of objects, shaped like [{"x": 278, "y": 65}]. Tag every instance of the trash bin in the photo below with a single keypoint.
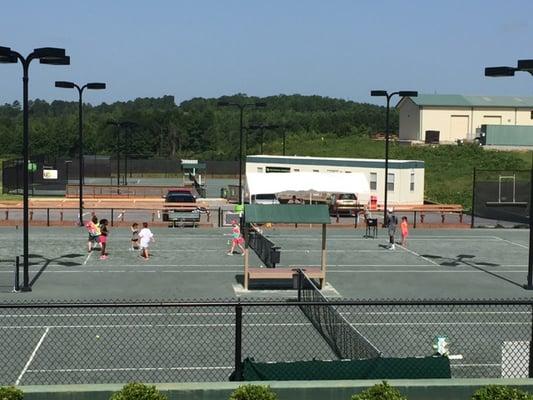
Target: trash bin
[{"x": 373, "y": 202}]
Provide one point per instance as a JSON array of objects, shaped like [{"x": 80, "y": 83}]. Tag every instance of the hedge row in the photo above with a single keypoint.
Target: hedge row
[{"x": 382, "y": 391}]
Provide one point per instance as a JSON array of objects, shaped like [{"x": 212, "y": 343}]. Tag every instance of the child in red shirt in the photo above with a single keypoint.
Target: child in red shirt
[{"x": 405, "y": 231}]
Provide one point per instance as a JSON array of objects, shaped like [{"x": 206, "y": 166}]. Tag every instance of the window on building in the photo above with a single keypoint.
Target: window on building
[
  {"x": 348, "y": 172},
  {"x": 316, "y": 170},
  {"x": 390, "y": 182},
  {"x": 373, "y": 181},
  {"x": 278, "y": 169},
  {"x": 259, "y": 169},
  {"x": 412, "y": 182},
  {"x": 531, "y": 114},
  {"x": 296, "y": 170}
]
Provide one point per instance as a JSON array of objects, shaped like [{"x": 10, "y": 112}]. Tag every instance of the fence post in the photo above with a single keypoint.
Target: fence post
[
  {"x": 7, "y": 215},
  {"x": 414, "y": 220},
  {"x": 219, "y": 217},
  {"x": 16, "y": 288},
  {"x": 238, "y": 342},
  {"x": 530, "y": 372},
  {"x": 112, "y": 212},
  {"x": 473, "y": 199},
  {"x": 47, "y": 217}
]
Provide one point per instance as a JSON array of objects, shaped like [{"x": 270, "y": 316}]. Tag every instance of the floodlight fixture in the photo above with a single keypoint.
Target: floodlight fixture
[
  {"x": 499, "y": 71},
  {"x": 96, "y": 85},
  {"x": 65, "y": 84},
  {"x": 378, "y": 93},
  {"x": 408, "y": 93}
]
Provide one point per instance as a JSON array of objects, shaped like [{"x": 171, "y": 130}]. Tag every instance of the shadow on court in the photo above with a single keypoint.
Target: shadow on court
[
  {"x": 463, "y": 259},
  {"x": 61, "y": 260}
]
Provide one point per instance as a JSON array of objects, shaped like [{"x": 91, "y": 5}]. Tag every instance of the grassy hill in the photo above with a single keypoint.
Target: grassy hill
[{"x": 449, "y": 168}]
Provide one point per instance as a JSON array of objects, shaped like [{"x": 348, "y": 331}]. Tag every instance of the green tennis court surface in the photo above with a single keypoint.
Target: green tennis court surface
[
  {"x": 192, "y": 263},
  {"x": 104, "y": 345}
]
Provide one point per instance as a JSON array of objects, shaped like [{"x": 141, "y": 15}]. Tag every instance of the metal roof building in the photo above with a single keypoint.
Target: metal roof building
[{"x": 447, "y": 118}]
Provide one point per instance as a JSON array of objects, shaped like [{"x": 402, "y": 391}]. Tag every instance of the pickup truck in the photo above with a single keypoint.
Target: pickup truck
[{"x": 180, "y": 207}]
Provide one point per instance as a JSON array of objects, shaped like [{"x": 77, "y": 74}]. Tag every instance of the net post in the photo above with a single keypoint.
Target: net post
[
  {"x": 48, "y": 217},
  {"x": 300, "y": 280},
  {"x": 16, "y": 287},
  {"x": 112, "y": 213},
  {"x": 238, "y": 342}
]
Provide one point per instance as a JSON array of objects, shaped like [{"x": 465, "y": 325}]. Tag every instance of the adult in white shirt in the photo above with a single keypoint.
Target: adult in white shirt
[{"x": 145, "y": 237}]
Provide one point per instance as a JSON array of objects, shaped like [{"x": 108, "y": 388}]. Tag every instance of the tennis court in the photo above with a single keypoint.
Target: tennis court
[{"x": 105, "y": 344}]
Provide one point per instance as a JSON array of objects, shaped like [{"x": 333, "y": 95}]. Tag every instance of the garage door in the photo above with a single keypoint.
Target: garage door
[{"x": 459, "y": 127}]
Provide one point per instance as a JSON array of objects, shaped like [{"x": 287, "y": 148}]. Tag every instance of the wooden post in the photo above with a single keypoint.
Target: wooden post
[{"x": 323, "y": 262}]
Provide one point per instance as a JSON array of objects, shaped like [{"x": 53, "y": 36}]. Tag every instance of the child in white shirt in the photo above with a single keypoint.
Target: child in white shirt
[{"x": 145, "y": 237}]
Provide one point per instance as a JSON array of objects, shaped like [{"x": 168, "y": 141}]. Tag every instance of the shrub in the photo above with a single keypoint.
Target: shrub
[
  {"x": 253, "y": 392},
  {"x": 382, "y": 391},
  {"x": 11, "y": 393},
  {"x": 497, "y": 392},
  {"x": 138, "y": 391}
]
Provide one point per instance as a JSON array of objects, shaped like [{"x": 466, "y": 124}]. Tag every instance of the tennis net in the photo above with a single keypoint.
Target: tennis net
[{"x": 344, "y": 339}]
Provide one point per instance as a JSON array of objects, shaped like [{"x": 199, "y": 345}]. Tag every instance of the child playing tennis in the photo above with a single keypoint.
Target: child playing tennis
[
  {"x": 236, "y": 238},
  {"x": 145, "y": 236},
  {"x": 405, "y": 231},
  {"x": 104, "y": 232},
  {"x": 94, "y": 233},
  {"x": 134, "y": 236}
]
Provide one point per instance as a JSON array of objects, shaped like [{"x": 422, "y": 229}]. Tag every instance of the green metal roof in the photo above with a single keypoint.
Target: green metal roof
[
  {"x": 457, "y": 100},
  {"x": 287, "y": 213}
]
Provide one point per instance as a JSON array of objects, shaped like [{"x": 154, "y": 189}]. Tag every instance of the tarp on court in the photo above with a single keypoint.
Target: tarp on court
[
  {"x": 376, "y": 368},
  {"x": 287, "y": 213},
  {"x": 262, "y": 183}
]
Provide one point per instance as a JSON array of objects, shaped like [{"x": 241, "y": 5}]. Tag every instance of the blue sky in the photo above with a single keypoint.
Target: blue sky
[{"x": 209, "y": 48}]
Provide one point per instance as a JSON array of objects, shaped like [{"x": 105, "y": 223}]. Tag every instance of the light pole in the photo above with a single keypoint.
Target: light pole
[
  {"x": 261, "y": 128},
  {"x": 525, "y": 66},
  {"x": 384, "y": 93},
  {"x": 127, "y": 126},
  {"x": 45, "y": 55},
  {"x": 67, "y": 163},
  {"x": 241, "y": 108},
  {"x": 72, "y": 85}
]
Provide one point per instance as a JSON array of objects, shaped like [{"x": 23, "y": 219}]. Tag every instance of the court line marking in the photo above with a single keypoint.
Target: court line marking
[
  {"x": 263, "y": 324},
  {"x": 283, "y": 313},
  {"x": 32, "y": 356},
  {"x": 87, "y": 259},
  {"x": 514, "y": 243},
  {"x": 129, "y": 369},
  {"x": 418, "y": 255},
  {"x": 129, "y": 326},
  {"x": 332, "y": 270}
]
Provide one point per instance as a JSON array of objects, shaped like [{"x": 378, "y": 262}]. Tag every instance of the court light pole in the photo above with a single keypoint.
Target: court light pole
[
  {"x": 524, "y": 66},
  {"x": 92, "y": 86},
  {"x": 45, "y": 55},
  {"x": 241, "y": 108},
  {"x": 261, "y": 128},
  {"x": 384, "y": 93},
  {"x": 122, "y": 126}
]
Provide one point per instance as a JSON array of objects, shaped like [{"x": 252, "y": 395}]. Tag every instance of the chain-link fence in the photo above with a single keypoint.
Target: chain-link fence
[
  {"x": 501, "y": 196},
  {"x": 208, "y": 341}
]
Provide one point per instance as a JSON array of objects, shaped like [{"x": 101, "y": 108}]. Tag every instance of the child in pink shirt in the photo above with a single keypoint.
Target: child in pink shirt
[{"x": 405, "y": 230}]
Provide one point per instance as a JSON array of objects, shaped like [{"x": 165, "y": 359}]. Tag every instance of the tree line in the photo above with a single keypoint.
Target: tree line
[{"x": 196, "y": 128}]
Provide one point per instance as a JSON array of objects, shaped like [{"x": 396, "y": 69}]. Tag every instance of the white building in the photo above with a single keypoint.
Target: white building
[
  {"x": 448, "y": 118},
  {"x": 406, "y": 177}
]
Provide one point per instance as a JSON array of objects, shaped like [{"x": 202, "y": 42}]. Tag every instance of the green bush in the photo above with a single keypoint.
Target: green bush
[
  {"x": 138, "y": 391},
  {"x": 253, "y": 392},
  {"x": 10, "y": 393},
  {"x": 497, "y": 392},
  {"x": 382, "y": 391}
]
